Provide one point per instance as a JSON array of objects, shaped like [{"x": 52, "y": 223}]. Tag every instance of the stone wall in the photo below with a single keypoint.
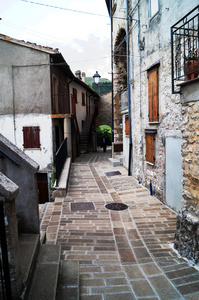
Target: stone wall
[
  {"x": 21, "y": 169},
  {"x": 187, "y": 234},
  {"x": 187, "y": 229},
  {"x": 190, "y": 153},
  {"x": 104, "y": 110},
  {"x": 8, "y": 192}
]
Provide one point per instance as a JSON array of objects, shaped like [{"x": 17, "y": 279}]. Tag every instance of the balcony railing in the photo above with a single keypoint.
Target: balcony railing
[
  {"x": 59, "y": 104},
  {"x": 184, "y": 49}
]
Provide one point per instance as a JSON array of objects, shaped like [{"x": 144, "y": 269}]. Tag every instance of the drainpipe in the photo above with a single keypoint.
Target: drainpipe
[
  {"x": 128, "y": 88},
  {"x": 13, "y": 104},
  {"x": 110, "y": 2}
]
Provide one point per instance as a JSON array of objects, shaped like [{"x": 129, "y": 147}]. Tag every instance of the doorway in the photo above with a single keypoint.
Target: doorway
[{"x": 173, "y": 172}]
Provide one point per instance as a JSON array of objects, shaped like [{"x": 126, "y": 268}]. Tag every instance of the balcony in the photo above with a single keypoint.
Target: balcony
[
  {"x": 184, "y": 49},
  {"x": 59, "y": 104}
]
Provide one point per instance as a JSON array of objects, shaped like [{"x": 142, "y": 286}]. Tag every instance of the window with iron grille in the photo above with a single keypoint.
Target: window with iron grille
[
  {"x": 153, "y": 94},
  {"x": 83, "y": 99},
  {"x": 31, "y": 137},
  {"x": 75, "y": 94},
  {"x": 184, "y": 49}
]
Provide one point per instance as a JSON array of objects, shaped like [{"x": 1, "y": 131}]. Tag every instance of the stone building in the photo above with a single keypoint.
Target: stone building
[{"x": 155, "y": 101}]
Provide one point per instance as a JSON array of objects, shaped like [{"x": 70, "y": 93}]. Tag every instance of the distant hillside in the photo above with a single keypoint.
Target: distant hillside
[{"x": 103, "y": 88}]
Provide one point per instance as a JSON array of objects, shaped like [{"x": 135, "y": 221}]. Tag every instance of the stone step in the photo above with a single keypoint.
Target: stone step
[
  {"x": 114, "y": 162},
  {"x": 119, "y": 158},
  {"x": 68, "y": 282},
  {"x": 45, "y": 279}
]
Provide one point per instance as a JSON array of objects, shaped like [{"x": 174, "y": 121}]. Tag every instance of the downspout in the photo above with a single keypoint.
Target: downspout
[
  {"x": 69, "y": 94},
  {"x": 140, "y": 78},
  {"x": 112, "y": 70},
  {"x": 128, "y": 88},
  {"x": 13, "y": 99}
]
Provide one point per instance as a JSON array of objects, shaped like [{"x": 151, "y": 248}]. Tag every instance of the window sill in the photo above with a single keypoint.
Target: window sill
[
  {"x": 150, "y": 164},
  {"x": 154, "y": 123},
  {"x": 24, "y": 149}
]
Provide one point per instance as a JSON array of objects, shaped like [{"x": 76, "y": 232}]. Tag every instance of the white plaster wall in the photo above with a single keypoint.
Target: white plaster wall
[
  {"x": 81, "y": 109},
  {"x": 44, "y": 155}
]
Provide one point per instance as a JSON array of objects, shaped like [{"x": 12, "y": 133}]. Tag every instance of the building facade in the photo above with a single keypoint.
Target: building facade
[
  {"x": 157, "y": 105},
  {"x": 37, "y": 112}
]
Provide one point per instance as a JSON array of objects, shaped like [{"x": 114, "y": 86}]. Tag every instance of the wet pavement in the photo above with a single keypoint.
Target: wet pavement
[{"x": 122, "y": 255}]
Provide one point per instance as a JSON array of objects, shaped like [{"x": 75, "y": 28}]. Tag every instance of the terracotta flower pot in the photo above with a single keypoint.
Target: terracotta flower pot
[{"x": 189, "y": 67}]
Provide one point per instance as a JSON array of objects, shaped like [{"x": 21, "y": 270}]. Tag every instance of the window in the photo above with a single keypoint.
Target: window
[
  {"x": 154, "y": 7},
  {"x": 31, "y": 137},
  {"x": 126, "y": 125},
  {"x": 75, "y": 94},
  {"x": 153, "y": 94},
  {"x": 83, "y": 99},
  {"x": 150, "y": 145}
]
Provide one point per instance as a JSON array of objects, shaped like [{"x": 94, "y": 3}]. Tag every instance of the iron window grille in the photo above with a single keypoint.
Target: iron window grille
[{"x": 184, "y": 49}]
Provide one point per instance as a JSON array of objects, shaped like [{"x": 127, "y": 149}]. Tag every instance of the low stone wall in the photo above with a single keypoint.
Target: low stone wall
[
  {"x": 190, "y": 153},
  {"x": 187, "y": 234}
]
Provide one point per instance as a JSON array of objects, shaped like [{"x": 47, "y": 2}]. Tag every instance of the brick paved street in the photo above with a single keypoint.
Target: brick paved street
[{"x": 122, "y": 255}]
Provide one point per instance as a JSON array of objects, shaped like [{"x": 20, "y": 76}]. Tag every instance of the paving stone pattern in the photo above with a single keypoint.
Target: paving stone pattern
[{"x": 122, "y": 255}]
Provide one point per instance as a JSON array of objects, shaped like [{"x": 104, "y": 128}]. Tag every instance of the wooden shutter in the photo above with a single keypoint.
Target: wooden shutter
[
  {"x": 26, "y": 137},
  {"x": 31, "y": 137},
  {"x": 83, "y": 99},
  {"x": 126, "y": 125},
  {"x": 150, "y": 148},
  {"x": 153, "y": 95},
  {"x": 75, "y": 94},
  {"x": 35, "y": 137}
]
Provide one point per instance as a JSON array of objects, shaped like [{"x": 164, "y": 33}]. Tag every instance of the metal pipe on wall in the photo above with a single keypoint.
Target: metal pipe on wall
[{"x": 128, "y": 89}]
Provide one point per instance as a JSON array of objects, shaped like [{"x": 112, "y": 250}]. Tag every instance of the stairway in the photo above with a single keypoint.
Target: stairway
[
  {"x": 48, "y": 277},
  {"x": 84, "y": 136},
  {"x": 117, "y": 160}
]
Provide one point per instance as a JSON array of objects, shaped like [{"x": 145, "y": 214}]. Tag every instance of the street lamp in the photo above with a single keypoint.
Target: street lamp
[{"x": 96, "y": 78}]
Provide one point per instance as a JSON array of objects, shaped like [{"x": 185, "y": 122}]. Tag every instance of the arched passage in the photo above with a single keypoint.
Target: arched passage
[{"x": 104, "y": 131}]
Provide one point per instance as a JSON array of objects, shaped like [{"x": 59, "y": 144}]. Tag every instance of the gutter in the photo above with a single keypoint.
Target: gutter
[{"x": 128, "y": 89}]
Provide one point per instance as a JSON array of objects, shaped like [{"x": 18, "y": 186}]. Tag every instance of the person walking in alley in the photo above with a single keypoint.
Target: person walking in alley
[{"x": 104, "y": 143}]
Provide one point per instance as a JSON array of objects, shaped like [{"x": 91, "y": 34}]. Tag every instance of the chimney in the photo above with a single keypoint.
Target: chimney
[
  {"x": 78, "y": 74},
  {"x": 84, "y": 77}
]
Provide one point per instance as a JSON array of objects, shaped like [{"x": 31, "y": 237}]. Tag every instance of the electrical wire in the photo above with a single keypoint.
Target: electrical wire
[
  {"x": 63, "y": 8},
  {"x": 72, "y": 10}
]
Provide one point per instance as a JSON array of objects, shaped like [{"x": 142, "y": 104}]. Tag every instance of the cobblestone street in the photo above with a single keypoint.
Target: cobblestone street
[{"x": 122, "y": 255}]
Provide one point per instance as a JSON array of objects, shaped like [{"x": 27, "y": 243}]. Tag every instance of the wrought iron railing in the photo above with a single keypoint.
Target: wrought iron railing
[
  {"x": 184, "y": 49},
  {"x": 60, "y": 158},
  {"x": 5, "y": 283}
]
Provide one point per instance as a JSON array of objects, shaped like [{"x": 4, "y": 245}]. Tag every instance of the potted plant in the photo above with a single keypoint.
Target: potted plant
[{"x": 191, "y": 66}]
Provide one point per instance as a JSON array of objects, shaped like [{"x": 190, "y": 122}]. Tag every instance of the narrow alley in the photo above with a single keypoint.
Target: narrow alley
[{"x": 124, "y": 254}]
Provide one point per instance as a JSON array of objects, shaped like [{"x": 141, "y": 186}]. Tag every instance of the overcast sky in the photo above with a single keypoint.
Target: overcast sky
[{"x": 82, "y": 38}]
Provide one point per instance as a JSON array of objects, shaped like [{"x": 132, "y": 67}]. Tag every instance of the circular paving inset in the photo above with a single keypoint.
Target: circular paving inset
[{"x": 116, "y": 206}]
